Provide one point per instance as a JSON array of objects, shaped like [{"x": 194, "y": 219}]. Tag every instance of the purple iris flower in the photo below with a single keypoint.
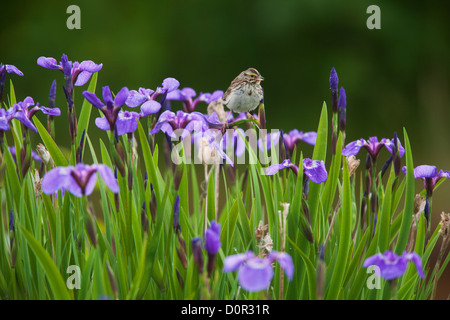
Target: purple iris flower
[
  {"x": 22, "y": 112},
  {"x": 110, "y": 107},
  {"x": 5, "y": 118},
  {"x": 168, "y": 85},
  {"x": 294, "y": 136},
  {"x": 80, "y": 73},
  {"x": 392, "y": 266},
  {"x": 143, "y": 98},
  {"x": 169, "y": 121},
  {"x": 9, "y": 68},
  {"x": 79, "y": 180},
  {"x": 373, "y": 147},
  {"x": 138, "y": 97},
  {"x": 212, "y": 238},
  {"x": 290, "y": 139},
  {"x": 189, "y": 99},
  {"x": 212, "y": 245},
  {"x": 126, "y": 122},
  {"x": 6, "y": 68},
  {"x": 255, "y": 273},
  {"x": 314, "y": 169},
  {"x": 429, "y": 175},
  {"x": 146, "y": 98},
  {"x": 212, "y": 121}
]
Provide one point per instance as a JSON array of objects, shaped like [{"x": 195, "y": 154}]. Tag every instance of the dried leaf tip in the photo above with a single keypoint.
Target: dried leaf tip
[
  {"x": 445, "y": 224},
  {"x": 353, "y": 164}
]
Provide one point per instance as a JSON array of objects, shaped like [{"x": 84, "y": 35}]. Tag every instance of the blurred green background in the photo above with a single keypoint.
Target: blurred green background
[{"x": 395, "y": 77}]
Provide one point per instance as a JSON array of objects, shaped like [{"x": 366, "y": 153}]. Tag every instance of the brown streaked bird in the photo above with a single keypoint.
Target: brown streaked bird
[{"x": 245, "y": 91}]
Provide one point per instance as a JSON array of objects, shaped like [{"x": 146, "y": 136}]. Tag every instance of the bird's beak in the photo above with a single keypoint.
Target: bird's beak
[{"x": 260, "y": 78}]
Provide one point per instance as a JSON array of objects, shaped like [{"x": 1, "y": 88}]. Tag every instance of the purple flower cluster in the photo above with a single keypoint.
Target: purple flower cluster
[{"x": 254, "y": 273}]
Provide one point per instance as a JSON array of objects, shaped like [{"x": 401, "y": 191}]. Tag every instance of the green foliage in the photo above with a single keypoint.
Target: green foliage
[{"x": 126, "y": 243}]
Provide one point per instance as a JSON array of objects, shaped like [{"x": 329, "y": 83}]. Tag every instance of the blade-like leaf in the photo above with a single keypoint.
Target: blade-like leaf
[
  {"x": 52, "y": 147},
  {"x": 54, "y": 277}
]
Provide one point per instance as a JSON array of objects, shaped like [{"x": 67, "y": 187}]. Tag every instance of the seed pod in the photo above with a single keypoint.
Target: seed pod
[{"x": 43, "y": 153}]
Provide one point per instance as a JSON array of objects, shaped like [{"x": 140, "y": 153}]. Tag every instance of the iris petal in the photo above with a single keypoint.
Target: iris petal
[
  {"x": 49, "y": 63},
  {"x": 121, "y": 97},
  {"x": 233, "y": 262},
  {"x": 108, "y": 177},
  {"x": 255, "y": 276},
  {"x": 56, "y": 179}
]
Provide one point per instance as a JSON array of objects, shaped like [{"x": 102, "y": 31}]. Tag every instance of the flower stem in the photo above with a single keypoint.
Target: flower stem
[
  {"x": 217, "y": 188},
  {"x": 393, "y": 285}
]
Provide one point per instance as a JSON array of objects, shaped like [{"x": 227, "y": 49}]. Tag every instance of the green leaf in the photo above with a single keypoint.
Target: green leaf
[
  {"x": 332, "y": 181},
  {"x": 52, "y": 147},
  {"x": 11, "y": 176},
  {"x": 382, "y": 233},
  {"x": 311, "y": 271},
  {"x": 211, "y": 209},
  {"x": 320, "y": 148},
  {"x": 54, "y": 277},
  {"x": 409, "y": 199},
  {"x": 344, "y": 238},
  {"x": 153, "y": 178},
  {"x": 227, "y": 234},
  {"x": 135, "y": 285},
  {"x": 247, "y": 238},
  {"x": 16, "y": 125},
  {"x": 320, "y": 151}
]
